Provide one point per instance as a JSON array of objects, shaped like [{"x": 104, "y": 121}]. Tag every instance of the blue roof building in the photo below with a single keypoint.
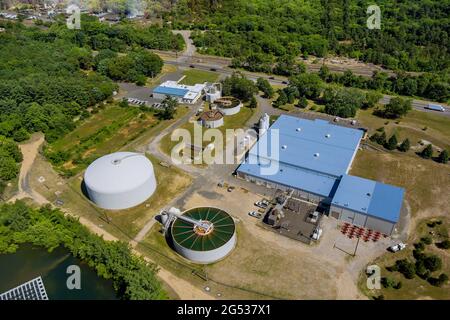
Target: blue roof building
[
  {"x": 369, "y": 197},
  {"x": 182, "y": 93},
  {"x": 367, "y": 203},
  {"x": 313, "y": 158},
  {"x": 171, "y": 91},
  {"x": 311, "y": 155}
]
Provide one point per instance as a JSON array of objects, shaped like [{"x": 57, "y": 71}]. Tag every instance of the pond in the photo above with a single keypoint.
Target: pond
[{"x": 30, "y": 262}]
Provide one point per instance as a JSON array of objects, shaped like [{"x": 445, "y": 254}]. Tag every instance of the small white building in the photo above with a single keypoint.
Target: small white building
[
  {"x": 213, "y": 92},
  {"x": 183, "y": 93}
]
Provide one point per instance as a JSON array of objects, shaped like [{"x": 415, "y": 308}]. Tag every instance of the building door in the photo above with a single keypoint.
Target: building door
[{"x": 335, "y": 214}]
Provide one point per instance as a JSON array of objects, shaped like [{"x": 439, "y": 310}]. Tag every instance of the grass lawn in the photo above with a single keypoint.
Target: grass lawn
[
  {"x": 194, "y": 76},
  {"x": 133, "y": 132},
  {"x": 110, "y": 130},
  {"x": 251, "y": 271},
  {"x": 426, "y": 182},
  {"x": 236, "y": 121},
  {"x": 415, "y": 288},
  {"x": 415, "y": 126},
  {"x": 125, "y": 224}
]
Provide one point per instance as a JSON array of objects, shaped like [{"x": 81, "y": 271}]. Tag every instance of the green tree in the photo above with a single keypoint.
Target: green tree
[
  {"x": 8, "y": 168},
  {"x": 440, "y": 281},
  {"x": 168, "y": 108},
  {"x": 396, "y": 108},
  {"x": 433, "y": 263},
  {"x": 443, "y": 157},
  {"x": 324, "y": 73},
  {"x": 444, "y": 244},
  {"x": 264, "y": 86},
  {"x": 371, "y": 99},
  {"x": 281, "y": 100},
  {"x": 405, "y": 145},
  {"x": 427, "y": 152},
  {"x": 406, "y": 268},
  {"x": 237, "y": 85},
  {"x": 308, "y": 85},
  {"x": 302, "y": 102},
  {"x": 391, "y": 144},
  {"x": 124, "y": 103},
  {"x": 21, "y": 135},
  {"x": 253, "y": 103},
  {"x": 342, "y": 102}
]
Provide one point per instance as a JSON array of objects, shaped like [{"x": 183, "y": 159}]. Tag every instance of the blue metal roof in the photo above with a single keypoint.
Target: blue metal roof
[
  {"x": 315, "y": 145},
  {"x": 171, "y": 91},
  {"x": 369, "y": 197},
  {"x": 317, "y": 130},
  {"x": 292, "y": 177}
]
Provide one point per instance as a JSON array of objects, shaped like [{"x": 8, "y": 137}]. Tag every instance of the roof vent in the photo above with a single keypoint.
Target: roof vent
[
  {"x": 327, "y": 135},
  {"x": 368, "y": 194},
  {"x": 298, "y": 129},
  {"x": 284, "y": 146},
  {"x": 316, "y": 155}
]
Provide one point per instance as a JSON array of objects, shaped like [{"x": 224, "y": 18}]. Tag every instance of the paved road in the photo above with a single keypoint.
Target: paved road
[
  {"x": 416, "y": 104},
  {"x": 191, "y": 59}
]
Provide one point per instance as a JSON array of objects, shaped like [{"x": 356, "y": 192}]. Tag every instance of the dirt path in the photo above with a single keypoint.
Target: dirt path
[{"x": 29, "y": 151}]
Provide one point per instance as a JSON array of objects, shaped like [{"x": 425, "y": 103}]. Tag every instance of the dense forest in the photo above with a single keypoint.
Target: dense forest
[
  {"x": 49, "y": 77},
  {"x": 414, "y": 34},
  {"x": 133, "y": 278},
  {"x": 10, "y": 157}
]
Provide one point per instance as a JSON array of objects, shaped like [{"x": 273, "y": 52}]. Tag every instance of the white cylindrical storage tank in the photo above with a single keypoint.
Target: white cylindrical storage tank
[
  {"x": 120, "y": 180},
  {"x": 199, "y": 247}
]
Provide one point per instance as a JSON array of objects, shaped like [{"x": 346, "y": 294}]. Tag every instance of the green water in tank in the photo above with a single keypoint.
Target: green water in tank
[{"x": 183, "y": 232}]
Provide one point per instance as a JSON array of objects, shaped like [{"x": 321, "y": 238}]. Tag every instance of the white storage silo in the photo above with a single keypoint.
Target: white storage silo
[{"x": 120, "y": 180}]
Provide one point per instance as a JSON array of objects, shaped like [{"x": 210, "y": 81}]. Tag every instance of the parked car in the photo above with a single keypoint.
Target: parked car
[
  {"x": 313, "y": 217},
  {"x": 398, "y": 247},
  {"x": 316, "y": 234},
  {"x": 254, "y": 214},
  {"x": 230, "y": 188},
  {"x": 261, "y": 204},
  {"x": 192, "y": 66},
  {"x": 213, "y": 69}
]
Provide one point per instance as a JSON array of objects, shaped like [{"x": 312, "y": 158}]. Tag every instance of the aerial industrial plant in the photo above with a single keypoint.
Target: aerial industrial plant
[{"x": 226, "y": 149}]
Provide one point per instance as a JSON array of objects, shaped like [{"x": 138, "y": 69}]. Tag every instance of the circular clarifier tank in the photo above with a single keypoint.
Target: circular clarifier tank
[{"x": 204, "y": 246}]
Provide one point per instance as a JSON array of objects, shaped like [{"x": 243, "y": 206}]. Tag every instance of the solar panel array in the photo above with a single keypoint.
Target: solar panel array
[{"x": 31, "y": 290}]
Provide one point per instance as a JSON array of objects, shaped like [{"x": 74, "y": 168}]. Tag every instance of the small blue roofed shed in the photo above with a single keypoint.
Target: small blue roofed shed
[{"x": 367, "y": 203}]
